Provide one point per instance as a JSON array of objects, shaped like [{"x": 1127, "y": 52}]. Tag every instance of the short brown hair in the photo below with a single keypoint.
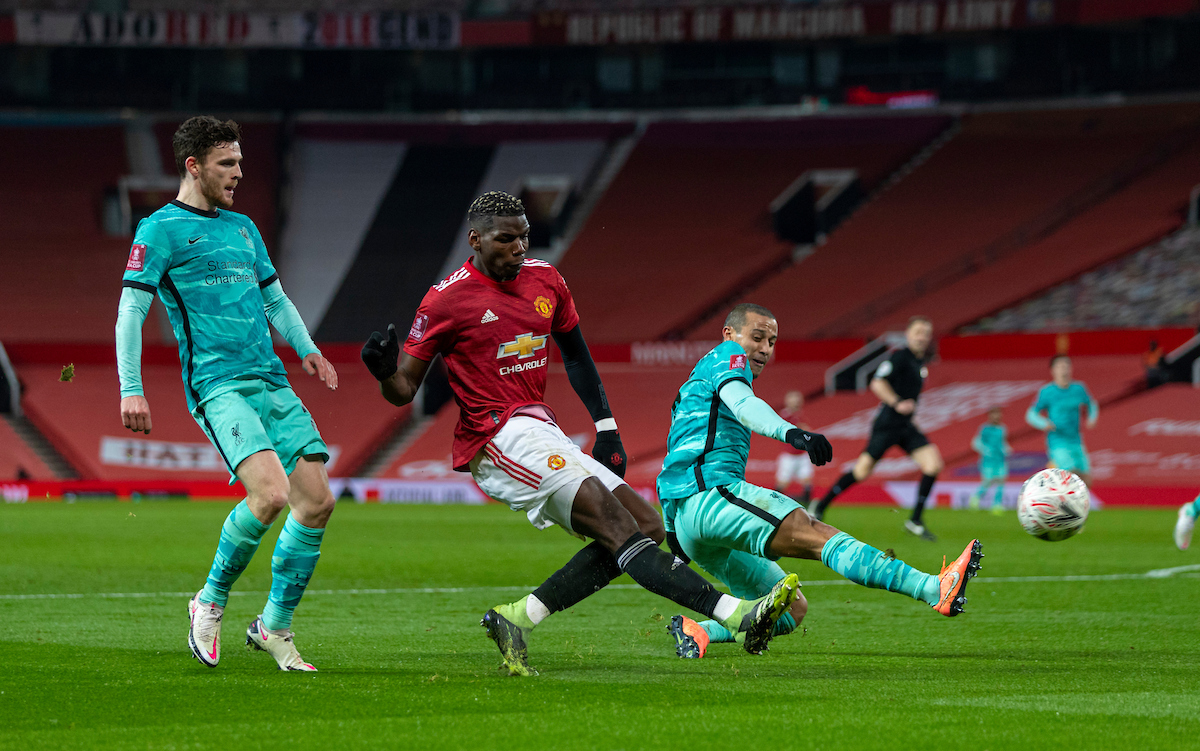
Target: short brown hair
[
  {"x": 918, "y": 319},
  {"x": 199, "y": 135}
]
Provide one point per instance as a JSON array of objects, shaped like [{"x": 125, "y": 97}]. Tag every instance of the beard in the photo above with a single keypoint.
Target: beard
[{"x": 213, "y": 189}]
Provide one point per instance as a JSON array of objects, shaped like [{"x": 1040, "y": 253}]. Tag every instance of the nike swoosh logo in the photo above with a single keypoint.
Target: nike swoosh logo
[
  {"x": 953, "y": 584},
  {"x": 198, "y": 239},
  {"x": 213, "y": 653},
  {"x": 807, "y": 437}
]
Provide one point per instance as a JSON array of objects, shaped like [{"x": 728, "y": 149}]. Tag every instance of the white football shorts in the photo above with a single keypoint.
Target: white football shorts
[
  {"x": 531, "y": 466},
  {"x": 792, "y": 467}
]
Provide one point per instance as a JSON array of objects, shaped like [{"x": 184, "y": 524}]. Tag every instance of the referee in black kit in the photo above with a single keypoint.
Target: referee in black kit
[{"x": 898, "y": 383}]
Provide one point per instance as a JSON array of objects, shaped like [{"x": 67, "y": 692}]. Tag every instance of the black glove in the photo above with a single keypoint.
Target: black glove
[
  {"x": 380, "y": 355},
  {"x": 817, "y": 445},
  {"x": 673, "y": 544},
  {"x": 609, "y": 451}
]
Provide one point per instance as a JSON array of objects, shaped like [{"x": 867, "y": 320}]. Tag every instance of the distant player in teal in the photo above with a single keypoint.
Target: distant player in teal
[
  {"x": 1062, "y": 400},
  {"x": 993, "y": 452},
  {"x": 1185, "y": 524},
  {"x": 736, "y": 531},
  {"x": 210, "y": 268}
]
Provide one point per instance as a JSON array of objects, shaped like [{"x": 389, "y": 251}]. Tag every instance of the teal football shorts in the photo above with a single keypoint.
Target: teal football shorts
[{"x": 243, "y": 417}]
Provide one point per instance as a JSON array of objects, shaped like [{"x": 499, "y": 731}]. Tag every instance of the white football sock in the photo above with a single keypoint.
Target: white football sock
[
  {"x": 725, "y": 608},
  {"x": 536, "y": 609}
]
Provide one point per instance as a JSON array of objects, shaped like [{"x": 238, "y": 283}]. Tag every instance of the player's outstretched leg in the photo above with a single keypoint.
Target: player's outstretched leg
[
  {"x": 240, "y": 536},
  {"x": 588, "y": 571},
  {"x": 1186, "y": 523}
]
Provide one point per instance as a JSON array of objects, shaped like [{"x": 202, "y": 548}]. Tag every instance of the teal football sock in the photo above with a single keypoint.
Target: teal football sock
[
  {"x": 292, "y": 566},
  {"x": 717, "y": 634},
  {"x": 1194, "y": 511},
  {"x": 240, "y": 536},
  {"x": 863, "y": 564}
]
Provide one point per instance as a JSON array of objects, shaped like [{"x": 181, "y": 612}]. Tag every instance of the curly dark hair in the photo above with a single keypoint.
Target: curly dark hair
[
  {"x": 491, "y": 205},
  {"x": 199, "y": 135}
]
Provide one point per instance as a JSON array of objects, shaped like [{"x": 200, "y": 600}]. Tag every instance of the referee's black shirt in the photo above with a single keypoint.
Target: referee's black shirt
[{"x": 905, "y": 373}]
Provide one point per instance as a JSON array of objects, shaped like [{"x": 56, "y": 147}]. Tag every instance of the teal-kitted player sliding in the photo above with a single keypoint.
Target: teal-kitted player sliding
[
  {"x": 736, "y": 531},
  {"x": 993, "y": 452},
  {"x": 1062, "y": 401},
  {"x": 210, "y": 268}
]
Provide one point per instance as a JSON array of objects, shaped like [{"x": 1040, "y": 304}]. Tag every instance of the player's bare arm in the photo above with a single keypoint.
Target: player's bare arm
[{"x": 886, "y": 394}]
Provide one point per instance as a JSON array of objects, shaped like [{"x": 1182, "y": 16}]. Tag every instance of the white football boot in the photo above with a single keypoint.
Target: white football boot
[
  {"x": 279, "y": 646},
  {"x": 1184, "y": 527},
  {"x": 204, "y": 633}
]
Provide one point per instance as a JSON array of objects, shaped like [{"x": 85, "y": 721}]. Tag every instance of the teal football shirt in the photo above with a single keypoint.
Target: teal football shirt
[
  {"x": 207, "y": 267},
  {"x": 1062, "y": 407},
  {"x": 990, "y": 442},
  {"x": 707, "y": 447}
]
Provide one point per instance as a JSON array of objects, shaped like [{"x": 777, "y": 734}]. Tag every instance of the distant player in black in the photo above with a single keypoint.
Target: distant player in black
[{"x": 897, "y": 383}]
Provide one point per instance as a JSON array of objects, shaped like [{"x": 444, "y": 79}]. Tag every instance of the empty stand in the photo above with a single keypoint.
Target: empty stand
[
  {"x": 1143, "y": 212},
  {"x": 17, "y": 457},
  {"x": 994, "y": 188},
  {"x": 687, "y": 218},
  {"x": 336, "y": 190},
  {"x": 82, "y": 420},
  {"x": 69, "y": 271}
]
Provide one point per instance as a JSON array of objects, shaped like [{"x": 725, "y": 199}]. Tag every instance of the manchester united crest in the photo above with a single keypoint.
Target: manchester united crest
[
  {"x": 543, "y": 306},
  {"x": 556, "y": 462}
]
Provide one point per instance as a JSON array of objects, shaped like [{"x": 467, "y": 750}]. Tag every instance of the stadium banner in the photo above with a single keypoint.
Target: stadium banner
[
  {"x": 172, "y": 456},
  {"x": 313, "y": 30},
  {"x": 832, "y": 20}
]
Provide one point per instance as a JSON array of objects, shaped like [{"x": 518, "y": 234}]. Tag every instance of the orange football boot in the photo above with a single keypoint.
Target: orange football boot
[
  {"x": 691, "y": 641},
  {"x": 954, "y": 577}
]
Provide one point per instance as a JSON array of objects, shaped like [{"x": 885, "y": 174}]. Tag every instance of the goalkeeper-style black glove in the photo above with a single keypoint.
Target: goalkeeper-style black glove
[
  {"x": 609, "y": 451},
  {"x": 380, "y": 355},
  {"x": 817, "y": 446}
]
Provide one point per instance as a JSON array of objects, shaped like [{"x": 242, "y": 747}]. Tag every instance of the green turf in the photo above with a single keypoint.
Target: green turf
[{"x": 1032, "y": 664}]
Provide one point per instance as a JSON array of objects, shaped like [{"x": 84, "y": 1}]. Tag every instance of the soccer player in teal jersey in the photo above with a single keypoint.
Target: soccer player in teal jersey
[
  {"x": 1186, "y": 523},
  {"x": 993, "y": 452},
  {"x": 210, "y": 268},
  {"x": 1061, "y": 400},
  {"x": 737, "y": 531}
]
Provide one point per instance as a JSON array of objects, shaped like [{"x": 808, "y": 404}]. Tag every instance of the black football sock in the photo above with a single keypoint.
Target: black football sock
[
  {"x": 656, "y": 570},
  {"x": 927, "y": 482},
  {"x": 589, "y": 571},
  {"x": 839, "y": 487}
]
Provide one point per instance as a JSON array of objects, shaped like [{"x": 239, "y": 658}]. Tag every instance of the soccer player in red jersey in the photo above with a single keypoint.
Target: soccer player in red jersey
[{"x": 491, "y": 321}]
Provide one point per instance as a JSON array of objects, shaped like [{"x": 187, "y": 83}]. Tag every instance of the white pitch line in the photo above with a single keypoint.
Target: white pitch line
[{"x": 1161, "y": 573}]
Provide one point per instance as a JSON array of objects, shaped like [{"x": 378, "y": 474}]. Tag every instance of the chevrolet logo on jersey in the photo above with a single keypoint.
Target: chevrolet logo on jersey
[{"x": 523, "y": 346}]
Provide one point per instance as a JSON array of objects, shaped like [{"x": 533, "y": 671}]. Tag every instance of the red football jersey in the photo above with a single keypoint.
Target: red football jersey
[{"x": 494, "y": 337}]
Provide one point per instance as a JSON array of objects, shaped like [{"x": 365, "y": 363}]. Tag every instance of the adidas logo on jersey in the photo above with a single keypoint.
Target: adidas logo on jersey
[{"x": 489, "y": 317}]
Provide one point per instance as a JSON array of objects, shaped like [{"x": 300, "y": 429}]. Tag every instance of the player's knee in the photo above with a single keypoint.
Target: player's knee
[
  {"x": 275, "y": 495},
  {"x": 799, "y": 608}
]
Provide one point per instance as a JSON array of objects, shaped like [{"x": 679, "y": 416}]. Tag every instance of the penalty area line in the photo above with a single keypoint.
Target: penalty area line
[{"x": 1189, "y": 571}]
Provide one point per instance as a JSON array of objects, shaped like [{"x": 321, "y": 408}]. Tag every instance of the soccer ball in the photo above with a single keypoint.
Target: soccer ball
[{"x": 1053, "y": 505}]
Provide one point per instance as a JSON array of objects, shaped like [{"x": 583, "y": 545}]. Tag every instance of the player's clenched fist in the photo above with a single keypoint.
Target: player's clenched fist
[
  {"x": 380, "y": 355},
  {"x": 135, "y": 414},
  {"x": 818, "y": 447},
  {"x": 609, "y": 451}
]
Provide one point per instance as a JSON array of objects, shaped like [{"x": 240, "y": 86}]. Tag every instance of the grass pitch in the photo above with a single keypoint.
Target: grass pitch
[{"x": 1094, "y": 655}]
